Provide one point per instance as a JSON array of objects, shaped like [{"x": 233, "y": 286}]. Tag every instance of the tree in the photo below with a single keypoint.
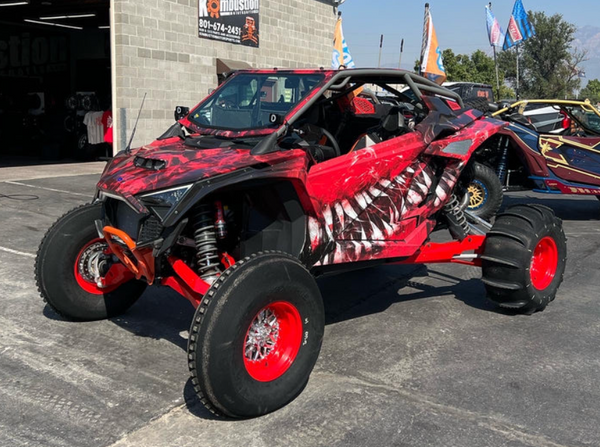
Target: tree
[
  {"x": 549, "y": 64},
  {"x": 591, "y": 91},
  {"x": 459, "y": 68},
  {"x": 479, "y": 68}
]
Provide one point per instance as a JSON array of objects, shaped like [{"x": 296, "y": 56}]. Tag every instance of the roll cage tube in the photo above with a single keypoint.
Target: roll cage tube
[
  {"x": 341, "y": 79},
  {"x": 585, "y": 105},
  {"x": 561, "y": 104}
]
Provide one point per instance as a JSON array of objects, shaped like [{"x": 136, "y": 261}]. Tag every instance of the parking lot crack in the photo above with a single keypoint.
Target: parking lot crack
[{"x": 510, "y": 431}]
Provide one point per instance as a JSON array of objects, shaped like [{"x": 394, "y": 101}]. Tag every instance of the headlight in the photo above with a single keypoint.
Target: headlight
[
  {"x": 166, "y": 197},
  {"x": 162, "y": 202}
]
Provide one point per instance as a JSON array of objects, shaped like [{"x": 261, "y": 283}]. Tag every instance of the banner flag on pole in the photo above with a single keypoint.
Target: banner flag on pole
[
  {"x": 519, "y": 28},
  {"x": 495, "y": 32},
  {"x": 432, "y": 63},
  {"x": 341, "y": 53}
]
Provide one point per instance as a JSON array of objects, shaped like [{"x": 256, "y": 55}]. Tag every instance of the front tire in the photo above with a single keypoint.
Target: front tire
[
  {"x": 524, "y": 258},
  {"x": 256, "y": 336},
  {"x": 62, "y": 270},
  {"x": 485, "y": 192}
]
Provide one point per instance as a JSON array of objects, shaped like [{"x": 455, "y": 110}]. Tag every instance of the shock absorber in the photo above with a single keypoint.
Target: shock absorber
[
  {"x": 205, "y": 238},
  {"x": 457, "y": 221},
  {"x": 502, "y": 164},
  {"x": 220, "y": 224}
]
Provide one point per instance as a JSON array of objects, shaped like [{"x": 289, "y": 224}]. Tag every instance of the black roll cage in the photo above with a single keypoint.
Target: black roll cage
[{"x": 360, "y": 76}]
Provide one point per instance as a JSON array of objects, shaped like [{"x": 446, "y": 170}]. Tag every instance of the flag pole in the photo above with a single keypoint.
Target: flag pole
[
  {"x": 401, "y": 51},
  {"x": 424, "y": 39},
  {"x": 497, "y": 73},
  {"x": 518, "y": 75},
  {"x": 496, "y": 64},
  {"x": 380, "y": 49}
]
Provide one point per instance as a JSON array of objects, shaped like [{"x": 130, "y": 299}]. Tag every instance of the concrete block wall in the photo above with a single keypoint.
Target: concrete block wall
[{"x": 156, "y": 50}]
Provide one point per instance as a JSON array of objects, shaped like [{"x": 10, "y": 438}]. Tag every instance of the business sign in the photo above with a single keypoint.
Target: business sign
[
  {"x": 233, "y": 21},
  {"x": 26, "y": 54}
]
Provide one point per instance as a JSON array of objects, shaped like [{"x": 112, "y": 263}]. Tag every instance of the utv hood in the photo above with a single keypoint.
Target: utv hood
[{"x": 170, "y": 163}]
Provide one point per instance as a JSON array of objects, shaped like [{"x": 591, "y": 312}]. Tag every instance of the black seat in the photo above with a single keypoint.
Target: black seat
[
  {"x": 392, "y": 125},
  {"x": 522, "y": 120}
]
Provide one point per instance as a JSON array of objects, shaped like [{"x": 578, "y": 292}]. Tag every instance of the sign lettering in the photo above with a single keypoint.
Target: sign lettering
[{"x": 233, "y": 21}]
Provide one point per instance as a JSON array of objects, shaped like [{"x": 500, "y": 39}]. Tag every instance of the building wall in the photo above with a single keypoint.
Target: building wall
[{"x": 157, "y": 51}]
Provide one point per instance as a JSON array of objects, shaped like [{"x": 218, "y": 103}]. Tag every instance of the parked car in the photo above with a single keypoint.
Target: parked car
[
  {"x": 549, "y": 146},
  {"x": 471, "y": 90},
  {"x": 277, "y": 177}
]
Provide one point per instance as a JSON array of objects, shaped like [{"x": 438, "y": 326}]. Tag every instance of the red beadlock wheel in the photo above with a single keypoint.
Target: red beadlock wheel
[
  {"x": 524, "y": 258},
  {"x": 91, "y": 260},
  {"x": 70, "y": 263},
  {"x": 272, "y": 341},
  {"x": 256, "y": 336},
  {"x": 544, "y": 263}
]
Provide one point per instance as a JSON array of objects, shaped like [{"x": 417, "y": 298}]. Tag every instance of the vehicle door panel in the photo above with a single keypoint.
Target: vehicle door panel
[
  {"x": 575, "y": 159},
  {"x": 355, "y": 191}
]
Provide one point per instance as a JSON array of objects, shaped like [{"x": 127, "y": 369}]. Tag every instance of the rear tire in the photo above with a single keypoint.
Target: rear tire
[
  {"x": 56, "y": 271},
  {"x": 230, "y": 375},
  {"x": 485, "y": 192},
  {"x": 524, "y": 258}
]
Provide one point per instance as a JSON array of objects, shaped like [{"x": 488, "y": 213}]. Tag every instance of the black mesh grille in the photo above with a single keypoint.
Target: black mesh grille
[
  {"x": 151, "y": 229},
  {"x": 121, "y": 216},
  {"x": 140, "y": 227}
]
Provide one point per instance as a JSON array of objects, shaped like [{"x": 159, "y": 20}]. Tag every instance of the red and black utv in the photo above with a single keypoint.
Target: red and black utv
[{"x": 277, "y": 177}]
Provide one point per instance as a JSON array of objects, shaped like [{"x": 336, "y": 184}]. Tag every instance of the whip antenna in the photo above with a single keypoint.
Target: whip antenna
[{"x": 128, "y": 148}]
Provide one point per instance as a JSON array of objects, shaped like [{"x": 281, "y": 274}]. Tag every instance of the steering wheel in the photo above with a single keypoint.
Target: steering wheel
[
  {"x": 332, "y": 140},
  {"x": 226, "y": 104},
  {"x": 313, "y": 133}
]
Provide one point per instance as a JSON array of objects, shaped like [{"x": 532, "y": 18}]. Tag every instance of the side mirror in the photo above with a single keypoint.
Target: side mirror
[
  {"x": 181, "y": 112},
  {"x": 274, "y": 118}
]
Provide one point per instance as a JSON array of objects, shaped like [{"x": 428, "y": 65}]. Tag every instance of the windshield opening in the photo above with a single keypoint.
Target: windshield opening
[
  {"x": 249, "y": 100},
  {"x": 586, "y": 119}
]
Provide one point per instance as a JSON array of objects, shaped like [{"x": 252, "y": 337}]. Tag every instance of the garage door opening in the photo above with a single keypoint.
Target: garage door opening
[{"x": 55, "y": 81}]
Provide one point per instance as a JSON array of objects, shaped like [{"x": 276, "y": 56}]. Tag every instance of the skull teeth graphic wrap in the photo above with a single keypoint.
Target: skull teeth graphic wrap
[{"x": 359, "y": 228}]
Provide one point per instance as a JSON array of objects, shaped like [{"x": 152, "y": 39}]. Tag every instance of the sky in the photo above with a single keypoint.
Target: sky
[{"x": 460, "y": 25}]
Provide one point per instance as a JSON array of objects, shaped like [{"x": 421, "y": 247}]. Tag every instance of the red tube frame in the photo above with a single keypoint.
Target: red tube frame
[
  {"x": 187, "y": 283},
  {"x": 446, "y": 252}
]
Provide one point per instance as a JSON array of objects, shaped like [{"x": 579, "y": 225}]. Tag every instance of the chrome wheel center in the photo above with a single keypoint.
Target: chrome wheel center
[
  {"x": 262, "y": 336},
  {"x": 92, "y": 262}
]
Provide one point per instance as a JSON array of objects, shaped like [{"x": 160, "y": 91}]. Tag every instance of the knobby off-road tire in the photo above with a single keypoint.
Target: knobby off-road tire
[
  {"x": 228, "y": 375},
  {"x": 485, "y": 192},
  {"x": 524, "y": 258},
  {"x": 55, "y": 271}
]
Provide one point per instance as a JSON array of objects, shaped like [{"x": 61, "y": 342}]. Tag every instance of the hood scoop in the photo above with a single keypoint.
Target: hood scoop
[{"x": 151, "y": 164}]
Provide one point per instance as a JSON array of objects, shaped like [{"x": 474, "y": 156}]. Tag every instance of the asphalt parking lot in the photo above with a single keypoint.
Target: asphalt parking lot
[{"x": 413, "y": 356}]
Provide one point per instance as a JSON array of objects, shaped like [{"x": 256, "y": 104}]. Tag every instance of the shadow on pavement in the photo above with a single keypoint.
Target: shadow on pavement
[
  {"x": 159, "y": 314},
  {"x": 423, "y": 282},
  {"x": 162, "y": 314},
  {"x": 193, "y": 404}
]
